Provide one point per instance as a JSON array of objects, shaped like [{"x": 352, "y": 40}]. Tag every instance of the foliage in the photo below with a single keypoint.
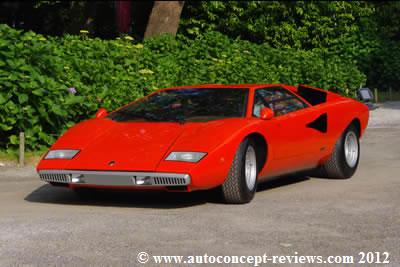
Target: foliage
[
  {"x": 383, "y": 66},
  {"x": 295, "y": 24},
  {"x": 61, "y": 17},
  {"x": 367, "y": 33},
  {"x": 359, "y": 31},
  {"x": 388, "y": 19},
  {"x": 39, "y": 76},
  {"x": 41, "y": 3}
]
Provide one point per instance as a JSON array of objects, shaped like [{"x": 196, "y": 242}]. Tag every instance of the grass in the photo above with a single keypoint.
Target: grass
[
  {"x": 8, "y": 155},
  {"x": 13, "y": 155}
]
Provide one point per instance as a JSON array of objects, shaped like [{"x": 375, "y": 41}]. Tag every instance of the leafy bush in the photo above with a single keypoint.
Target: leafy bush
[
  {"x": 295, "y": 24},
  {"x": 38, "y": 76},
  {"x": 382, "y": 66},
  {"x": 364, "y": 31}
]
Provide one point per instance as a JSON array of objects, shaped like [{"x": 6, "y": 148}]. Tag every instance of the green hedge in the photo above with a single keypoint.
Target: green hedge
[{"x": 35, "y": 74}]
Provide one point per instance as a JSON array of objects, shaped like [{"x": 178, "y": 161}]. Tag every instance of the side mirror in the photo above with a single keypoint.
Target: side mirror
[
  {"x": 102, "y": 112},
  {"x": 365, "y": 94},
  {"x": 266, "y": 114}
]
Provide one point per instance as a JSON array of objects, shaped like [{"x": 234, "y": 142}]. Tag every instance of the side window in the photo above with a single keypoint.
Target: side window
[{"x": 278, "y": 99}]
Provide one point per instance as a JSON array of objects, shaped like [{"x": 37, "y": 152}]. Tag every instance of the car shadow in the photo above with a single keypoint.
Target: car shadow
[
  {"x": 282, "y": 181},
  {"x": 143, "y": 199},
  {"x": 120, "y": 198}
]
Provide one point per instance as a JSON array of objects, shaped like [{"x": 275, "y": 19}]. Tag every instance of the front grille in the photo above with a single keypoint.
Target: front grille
[
  {"x": 55, "y": 177},
  {"x": 169, "y": 181},
  {"x": 115, "y": 178}
]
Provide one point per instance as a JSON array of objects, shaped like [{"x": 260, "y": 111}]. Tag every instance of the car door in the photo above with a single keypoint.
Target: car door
[{"x": 294, "y": 143}]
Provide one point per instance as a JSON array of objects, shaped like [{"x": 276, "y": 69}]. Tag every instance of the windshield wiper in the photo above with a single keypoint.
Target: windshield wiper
[
  {"x": 124, "y": 115},
  {"x": 180, "y": 120},
  {"x": 151, "y": 117},
  {"x": 167, "y": 117}
]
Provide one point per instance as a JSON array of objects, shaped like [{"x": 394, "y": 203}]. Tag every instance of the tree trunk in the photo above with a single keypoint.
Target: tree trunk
[
  {"x": 164, "y": 18},
  {"x": 123, "y": 15}
]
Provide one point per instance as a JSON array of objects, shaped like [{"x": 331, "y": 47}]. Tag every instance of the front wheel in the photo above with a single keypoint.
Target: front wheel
[
  {"x": 344, "y": 159},
  {"x": 241, "y": 183}
]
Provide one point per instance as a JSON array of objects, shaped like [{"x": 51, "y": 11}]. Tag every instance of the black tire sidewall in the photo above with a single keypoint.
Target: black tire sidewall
[
  {"x": 345, "y": 168},
  {"x": 245, "y": 191}
]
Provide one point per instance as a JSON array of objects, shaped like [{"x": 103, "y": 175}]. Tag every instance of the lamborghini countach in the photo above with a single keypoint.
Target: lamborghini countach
[{"x": 201, "y": 137}]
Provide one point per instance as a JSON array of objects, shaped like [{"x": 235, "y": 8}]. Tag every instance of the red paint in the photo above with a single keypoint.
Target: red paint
[
  {"x": 143, "y": 146},
  {"x": 102, "y": 112},
  {"x": 266, "y": 114}
]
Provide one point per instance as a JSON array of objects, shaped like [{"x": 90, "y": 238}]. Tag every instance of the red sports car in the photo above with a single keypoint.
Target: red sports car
[{"x": 206, "y": 136}]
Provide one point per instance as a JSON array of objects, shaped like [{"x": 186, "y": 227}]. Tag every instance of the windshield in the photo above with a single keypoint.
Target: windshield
[{"x": 183, "y": 105}]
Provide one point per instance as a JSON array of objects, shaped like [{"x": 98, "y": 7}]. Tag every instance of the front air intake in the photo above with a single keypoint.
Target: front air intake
[
  {"x": 55, "y": 177},
  {"x": 169, "y": 181}
]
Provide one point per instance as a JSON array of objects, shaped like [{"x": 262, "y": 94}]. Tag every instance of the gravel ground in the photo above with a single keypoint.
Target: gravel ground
[
  {"x": 386, "y": 115},
  {"x": 41, "y": 225}
]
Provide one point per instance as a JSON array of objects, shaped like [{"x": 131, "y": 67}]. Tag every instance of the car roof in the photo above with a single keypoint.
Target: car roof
[{"x": 211, "y": 85}]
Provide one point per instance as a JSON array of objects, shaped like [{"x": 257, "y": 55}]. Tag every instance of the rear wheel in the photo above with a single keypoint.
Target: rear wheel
[
  {"x": 344, "y": 159},
  {"x": 241, "y": 183}
]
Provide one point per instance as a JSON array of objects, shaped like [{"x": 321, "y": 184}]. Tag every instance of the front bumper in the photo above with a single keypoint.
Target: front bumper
[{"x": 115, "y": 178}]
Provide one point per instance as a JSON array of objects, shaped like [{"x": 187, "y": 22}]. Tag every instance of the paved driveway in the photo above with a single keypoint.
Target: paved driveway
[{"x": 42, "y": 225}]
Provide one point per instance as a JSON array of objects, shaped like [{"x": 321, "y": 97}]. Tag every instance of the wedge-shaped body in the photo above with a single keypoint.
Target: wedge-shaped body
[{"x": 207, "y": 136}]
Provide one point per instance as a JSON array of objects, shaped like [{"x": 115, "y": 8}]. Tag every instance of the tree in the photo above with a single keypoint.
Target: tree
[{"x": 164, "y": 18}]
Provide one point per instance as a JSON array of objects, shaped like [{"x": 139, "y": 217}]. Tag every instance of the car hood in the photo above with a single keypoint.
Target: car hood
[{"x": 140, "y": 146}]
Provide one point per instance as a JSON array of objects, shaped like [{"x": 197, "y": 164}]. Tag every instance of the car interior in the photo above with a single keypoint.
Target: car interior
[{"x": 280, "y": 100}]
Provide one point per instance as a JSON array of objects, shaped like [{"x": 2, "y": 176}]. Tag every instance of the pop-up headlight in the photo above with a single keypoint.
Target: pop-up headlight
[
  {"x": 186, "y": 156},
  {"x": 61, "y": 154}
]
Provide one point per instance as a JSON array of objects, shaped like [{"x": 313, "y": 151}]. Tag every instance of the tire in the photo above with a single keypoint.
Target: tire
[
  {"x": 237, "y": 189},
  {"x": 342, "y": 165}
]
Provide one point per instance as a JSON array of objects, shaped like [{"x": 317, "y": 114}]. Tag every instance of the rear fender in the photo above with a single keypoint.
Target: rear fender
[{"x": 341, "y": 115}]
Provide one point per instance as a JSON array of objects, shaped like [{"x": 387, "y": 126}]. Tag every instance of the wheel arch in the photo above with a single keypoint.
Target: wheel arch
[
  {"x": 261, "y": 149},
  {"x": 357, "y": 123}
]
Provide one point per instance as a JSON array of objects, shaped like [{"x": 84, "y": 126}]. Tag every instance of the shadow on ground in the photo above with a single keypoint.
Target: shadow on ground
[
  {"x": 281, "y": 181},
  {"x": 143, "y": 199},
  {"x": 390, "y": 105}
]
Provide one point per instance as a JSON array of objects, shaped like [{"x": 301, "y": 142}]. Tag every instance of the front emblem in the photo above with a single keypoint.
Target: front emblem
[{"x": 111, "y": 163}]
